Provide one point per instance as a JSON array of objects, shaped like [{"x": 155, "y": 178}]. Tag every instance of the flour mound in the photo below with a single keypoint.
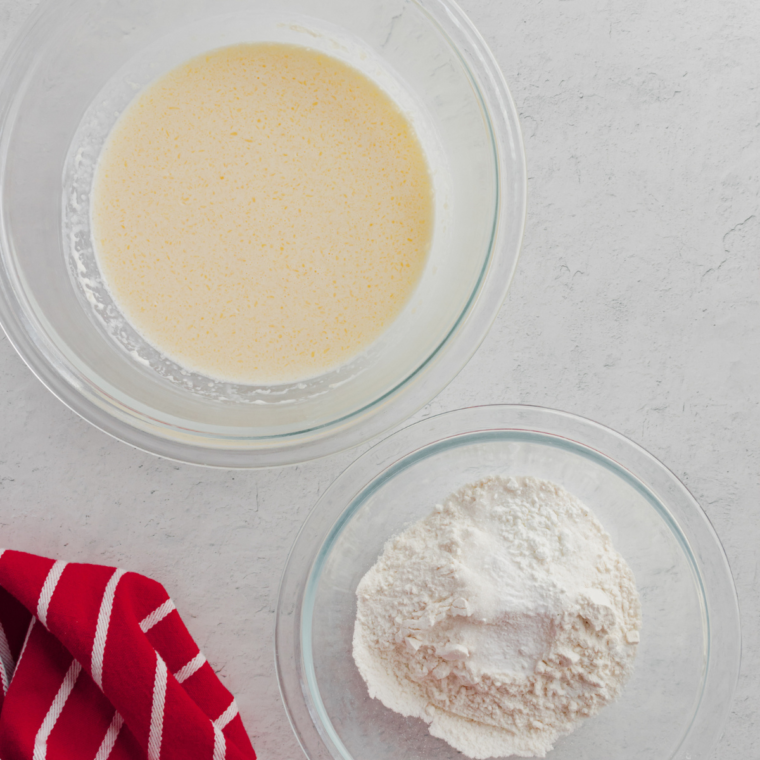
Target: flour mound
[{"x": 503, "y": 619}]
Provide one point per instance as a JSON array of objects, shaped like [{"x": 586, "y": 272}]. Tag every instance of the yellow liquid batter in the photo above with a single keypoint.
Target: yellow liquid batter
[{"x": 262, "y": 213}]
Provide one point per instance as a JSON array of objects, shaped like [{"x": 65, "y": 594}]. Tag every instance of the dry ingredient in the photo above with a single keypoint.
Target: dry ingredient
[{"x": 503, "y": 619}]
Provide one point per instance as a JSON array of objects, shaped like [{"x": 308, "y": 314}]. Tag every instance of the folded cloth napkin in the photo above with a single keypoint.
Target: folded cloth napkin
[{"x": 96, "y": 664}]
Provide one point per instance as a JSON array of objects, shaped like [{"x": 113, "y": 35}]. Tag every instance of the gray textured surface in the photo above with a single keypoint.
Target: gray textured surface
[{"x": 636, "y": 303}]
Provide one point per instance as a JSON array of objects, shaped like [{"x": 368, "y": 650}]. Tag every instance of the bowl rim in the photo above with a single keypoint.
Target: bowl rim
[
  {"x": 698, "y": 540},
  {"x": 137, "y": 428}
]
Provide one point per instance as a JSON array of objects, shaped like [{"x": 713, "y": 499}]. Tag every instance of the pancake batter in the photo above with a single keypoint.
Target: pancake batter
[{"x": 262, "y": 213}]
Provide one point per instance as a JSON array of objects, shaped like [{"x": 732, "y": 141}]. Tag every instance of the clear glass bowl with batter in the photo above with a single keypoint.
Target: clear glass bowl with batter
[
  {"x": 66, "y": 81},
  {"x": 678, "y": 697}
]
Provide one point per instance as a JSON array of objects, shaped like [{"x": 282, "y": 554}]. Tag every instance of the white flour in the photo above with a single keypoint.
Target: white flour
[{"x": 503, "y": 619}]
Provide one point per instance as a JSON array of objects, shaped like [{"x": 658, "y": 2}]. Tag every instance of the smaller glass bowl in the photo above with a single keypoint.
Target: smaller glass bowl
[{"x": 688, "y": 661}]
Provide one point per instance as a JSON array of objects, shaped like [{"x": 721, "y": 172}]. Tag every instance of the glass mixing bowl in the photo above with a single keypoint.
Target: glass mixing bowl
[
  {"x": 676, "y": 701},
  {"x": 64, "y": 83}
]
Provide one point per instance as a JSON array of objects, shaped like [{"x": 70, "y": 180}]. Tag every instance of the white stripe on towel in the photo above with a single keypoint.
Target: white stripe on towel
[
  {"x": 222, "y": 721},
  {"x": 191, "y": 667},
  {"x": 23, "y": 648},
  {"x": 6, "y": 660},
  {"x": 109, "y": 740},
  {"x": 48, "y": 588},
  {"x": 156, "y": 616},
  {"x": 157, "y": 710},
  {"x": 101, "y": 629},
  {"x": 54, "y": 712},
  {"x": 220, "y": 745}
]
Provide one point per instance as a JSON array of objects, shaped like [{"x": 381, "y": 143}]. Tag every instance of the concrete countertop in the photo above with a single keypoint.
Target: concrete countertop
[{"x": 636, "y": 303}]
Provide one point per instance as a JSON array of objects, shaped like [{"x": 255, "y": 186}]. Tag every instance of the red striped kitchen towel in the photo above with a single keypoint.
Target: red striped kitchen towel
[{"x": 96, "y": 664}]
